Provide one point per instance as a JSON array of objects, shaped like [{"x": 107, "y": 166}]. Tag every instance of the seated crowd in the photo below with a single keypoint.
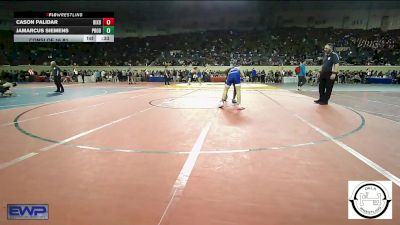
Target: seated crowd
[
  {"x": 271, "y": 76},
  {"x": 283, "y": 46}
]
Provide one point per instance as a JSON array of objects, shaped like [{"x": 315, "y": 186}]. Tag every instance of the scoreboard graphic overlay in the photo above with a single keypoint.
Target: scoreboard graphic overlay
[{"x": 64, "y": 26}]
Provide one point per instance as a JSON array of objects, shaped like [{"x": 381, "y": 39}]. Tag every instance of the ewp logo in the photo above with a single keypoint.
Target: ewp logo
[
  {"x": 370, "y": 200},
  {"x": 28, "y": 212}
]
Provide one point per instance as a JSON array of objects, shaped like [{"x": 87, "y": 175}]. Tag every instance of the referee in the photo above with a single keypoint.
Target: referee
[
  {"x": 166, "y": 76},
  {"x": 56, "y": 72},
  {"x": 328, "y": 74}
]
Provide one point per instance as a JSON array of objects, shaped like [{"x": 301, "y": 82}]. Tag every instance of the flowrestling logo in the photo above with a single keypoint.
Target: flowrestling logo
[
  {"x": 370, "y": 200},
  {"x": 27, "y": 211}
]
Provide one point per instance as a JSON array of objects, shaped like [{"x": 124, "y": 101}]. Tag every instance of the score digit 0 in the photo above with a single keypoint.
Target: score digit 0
[
  {"x": 108, "y": 30},
  {"x": 108, "y": 21}
]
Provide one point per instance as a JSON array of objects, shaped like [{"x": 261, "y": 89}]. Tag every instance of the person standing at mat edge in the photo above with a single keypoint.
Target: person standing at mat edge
[
  {"x": 166, "y": 76},
  {"x": 56, "y": 72},
  {"x": 328, "y": 74},
  {"x": 301, "y": 76}
]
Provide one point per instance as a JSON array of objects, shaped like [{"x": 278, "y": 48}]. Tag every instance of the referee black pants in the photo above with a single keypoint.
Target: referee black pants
[
  {"x": 57, "y": 82},
  {"x": 325, "y": 87},
  {"x": 166, "y": 80}
]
